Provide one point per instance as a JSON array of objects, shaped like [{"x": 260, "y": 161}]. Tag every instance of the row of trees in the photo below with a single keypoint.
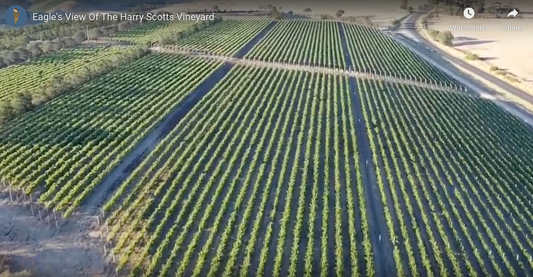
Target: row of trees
[
  {"x": 480, "y": 6},
  {"x": 404, "y": 4},
  {"x": 365, "y": 20},
  {"x": 25, "y": 101},
  {"x": 36, "y": 49},
  {"x": 444, "y": 37},
  {"x": 33, "y": 49},
  {"x": 275, "y": 12},
  {"x": 144, "y": 7},
  {"x": 12, "y": 39},
  {"x": 339, "y": 15}
]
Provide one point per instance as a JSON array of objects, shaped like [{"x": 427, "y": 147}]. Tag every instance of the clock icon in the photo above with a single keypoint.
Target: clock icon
[{"x": 469, "y": 13}]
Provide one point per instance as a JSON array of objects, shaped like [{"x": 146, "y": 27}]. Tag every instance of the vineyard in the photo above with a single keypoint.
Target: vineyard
[
  {"x": 371, "y": 51},
  {"x": 456, "y": 167},
  {"x": 222, "y": 192},
  {"x": 35, "y": 75},
  {"x": 302, "y": 41},
  {"x": 41, "y": 73},
  {"x": 67, "y": 156},
  {"x": 226, "y": 37},
  {"x": 280, "y": 165}
]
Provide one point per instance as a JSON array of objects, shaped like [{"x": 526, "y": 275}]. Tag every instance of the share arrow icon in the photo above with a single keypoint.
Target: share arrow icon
[{"x": 513, "y": 13}]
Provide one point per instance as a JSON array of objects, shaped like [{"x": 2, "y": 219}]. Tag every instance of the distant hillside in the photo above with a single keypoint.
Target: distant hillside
[
  {"x": 55, "y": 5},
  {"x": 92, "y": 5}
]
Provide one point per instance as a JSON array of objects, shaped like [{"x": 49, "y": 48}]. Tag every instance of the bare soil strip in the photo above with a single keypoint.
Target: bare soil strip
[
  {"x": 30, "y": 244},
  {"x": 378, "y": 227}
]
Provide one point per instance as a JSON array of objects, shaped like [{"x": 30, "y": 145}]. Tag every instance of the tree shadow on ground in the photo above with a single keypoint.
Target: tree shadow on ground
[
  {"x": 465, "y": 38},
  {"x": 296, "y": 16},
  {"x": 485, "y": 59},
  {"x": 472, "y": 42},
  {"x": 75, "y": 136}
]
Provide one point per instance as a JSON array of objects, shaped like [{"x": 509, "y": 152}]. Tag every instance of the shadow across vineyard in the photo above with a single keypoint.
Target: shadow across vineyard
[{"x": 149, "y": 143}]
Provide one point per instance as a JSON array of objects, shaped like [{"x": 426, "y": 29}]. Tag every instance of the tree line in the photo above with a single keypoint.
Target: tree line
[
  {"x": 481, "y": 7},
  {"x": 14, "y": 38},
  {"x": 22, "y": 44}
]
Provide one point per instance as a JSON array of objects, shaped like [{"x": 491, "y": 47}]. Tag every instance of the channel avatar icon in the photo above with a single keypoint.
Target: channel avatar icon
[{"x": 16, "y": 16}]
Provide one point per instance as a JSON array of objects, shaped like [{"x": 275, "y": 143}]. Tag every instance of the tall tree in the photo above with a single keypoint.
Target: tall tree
[{"x": 35, "y": 50}]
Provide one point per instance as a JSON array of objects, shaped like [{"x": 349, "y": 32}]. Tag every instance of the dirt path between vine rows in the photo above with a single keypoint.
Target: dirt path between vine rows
[
  {"x": 253, "y": 42},
  {"x": 379, "y": 231}
]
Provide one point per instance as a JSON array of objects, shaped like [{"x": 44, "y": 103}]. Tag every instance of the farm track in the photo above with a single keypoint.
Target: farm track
[
  {"x": 377, "y": 223},
  {"x": 407, "y": 226},
  {"x": 308, "y": 68}
]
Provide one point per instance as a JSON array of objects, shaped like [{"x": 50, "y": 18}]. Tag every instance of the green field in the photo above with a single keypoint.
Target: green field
[
  {"x": 301, "y": 41},
  {"x": 371, "y": 51}
]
